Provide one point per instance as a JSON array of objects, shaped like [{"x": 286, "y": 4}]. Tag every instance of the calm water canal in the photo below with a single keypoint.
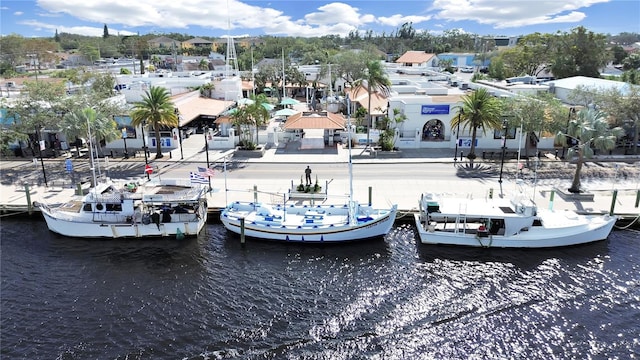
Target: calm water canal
[{"x": 209, "y": 298}]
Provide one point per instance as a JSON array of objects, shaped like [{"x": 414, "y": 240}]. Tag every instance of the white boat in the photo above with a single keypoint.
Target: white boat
[
  {"x": 309, "y": 223},
  {"x": 109, "y": 210},
  {"x": 505, "y": 223}
]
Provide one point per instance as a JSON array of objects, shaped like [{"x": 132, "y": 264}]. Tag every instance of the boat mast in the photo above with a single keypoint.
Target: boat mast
[
  {"x": 352, "y": 205},
  {"x": 349, "y": 147},
  {"x": 93, "y": 162},
  {"x": 284, "y": 91}
]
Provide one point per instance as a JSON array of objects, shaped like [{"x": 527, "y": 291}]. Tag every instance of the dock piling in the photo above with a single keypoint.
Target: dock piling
[
  {"x": 27, "y": 192},
  {"x": 613, "y": 202},
  {"x": 242, "y": 238}
]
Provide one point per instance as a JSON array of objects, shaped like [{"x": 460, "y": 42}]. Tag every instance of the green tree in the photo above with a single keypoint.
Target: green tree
[
  {"x": 105, "y": 32},
  {"x": 388, "y": 135},
  {"x": 631, "y": 62},
  {"x": 538, "y": 115},
  {"x": 621, "y": 104},
  {"x": 156, "y": 110},
  {"x": 374, "y": 80},
  {"x": 479, "y": 110},
  {"x": 203, "y": 64},
  {"x": 90, "y": 124},
  {"x": 579, "y": 53},
  {"x": 530, "y": 56},
  {"x": 206, "y": 90},
  {"x": 257, "y": 113},
  {"x": 242, "y": 121},
  {"x": 589, "y": 129}
]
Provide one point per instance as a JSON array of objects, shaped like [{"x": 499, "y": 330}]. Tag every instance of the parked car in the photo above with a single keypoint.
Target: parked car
[{"x": 466, "y": 69}]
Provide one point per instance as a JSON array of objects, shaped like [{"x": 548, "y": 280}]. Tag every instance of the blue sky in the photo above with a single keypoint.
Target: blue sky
[{"x": 310, "y": 18}]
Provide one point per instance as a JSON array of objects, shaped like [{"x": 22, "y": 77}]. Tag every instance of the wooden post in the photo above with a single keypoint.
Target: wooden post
[
  {"x": 370, "y": 195},
  {"x": 637, "y": 197},
  {"x": 79, "y": 189},
  {"x": 613, "y": 201},
  {"x": 553, "y": 193},
  {"x": 27, "y": 192},
  {"x": 242, "y": 240}
]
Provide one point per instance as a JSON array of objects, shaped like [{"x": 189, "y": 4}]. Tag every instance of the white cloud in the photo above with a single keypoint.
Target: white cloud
[
  {"x": 333, "y": 18},
  {"x": 18, "y": 13},
  {"x": 510, "y": 13},
  {"x": 397, "y": 19},
  {"x": 82, "y": 30}
]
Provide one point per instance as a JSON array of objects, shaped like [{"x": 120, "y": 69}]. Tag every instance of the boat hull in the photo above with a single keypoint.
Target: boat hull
[
  {"x": 376, "y": 225},
  {"x": 595, "y": 228},
  {"x": 103, "y": 229}
]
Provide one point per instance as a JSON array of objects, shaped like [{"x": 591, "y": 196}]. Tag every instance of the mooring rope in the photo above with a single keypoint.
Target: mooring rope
[{"x": 628, "y": 225}]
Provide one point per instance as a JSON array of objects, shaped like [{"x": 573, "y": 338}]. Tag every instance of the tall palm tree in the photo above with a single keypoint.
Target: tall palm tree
[
  {"x": 156, "y": 110},
  {"x": 374, "y": 80},
  {"x": 479, "y": 110},
  {"x": 588, "y": 129}
]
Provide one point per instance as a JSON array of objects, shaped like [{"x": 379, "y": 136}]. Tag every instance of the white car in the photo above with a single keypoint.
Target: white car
[{"x": 466, "y": 69}]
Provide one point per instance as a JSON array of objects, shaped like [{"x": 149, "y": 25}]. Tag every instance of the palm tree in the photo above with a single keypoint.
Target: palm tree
[
  {"x": 257, "y": 112},
  {"x": 157, "y": 110},
  {"x": 478, "y": 110},
  {"x": 374, "y": 80},
  {"x": 588, "y": 129},
  {"x": 241, "y": 120},
  {"x": 207, "y": 89},
  {"x": 254, "y": 114},
  {"x": 76, "y": 123}
]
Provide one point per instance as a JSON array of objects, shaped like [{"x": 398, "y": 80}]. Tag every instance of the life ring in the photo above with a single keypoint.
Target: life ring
[{"x": 99, "y": 206}]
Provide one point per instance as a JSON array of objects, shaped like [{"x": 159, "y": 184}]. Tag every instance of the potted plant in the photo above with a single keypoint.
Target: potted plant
[{"x": 317, "y": 187}]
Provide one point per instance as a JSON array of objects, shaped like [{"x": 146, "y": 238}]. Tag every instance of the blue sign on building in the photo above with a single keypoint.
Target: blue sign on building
[{"x": 434, "y": 109}]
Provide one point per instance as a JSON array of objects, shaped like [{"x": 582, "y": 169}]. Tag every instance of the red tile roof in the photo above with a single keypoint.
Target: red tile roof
[
  {"x": 315, "y": 120},
  {"x": 414, "y": 57}
]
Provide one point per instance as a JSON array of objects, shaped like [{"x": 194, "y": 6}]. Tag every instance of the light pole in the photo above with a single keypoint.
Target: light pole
[
  {"x": 144, "y": 148},
  {"x": 177, "y": 112},
  {"x": 504, "y": 148},
  {"x": 572, "y": 111},
  {"x": 180, "y": 139},
  {"x": 44, "y": 174},
  {"x": 206, "y": 149},
  {"x": 455, "y": 153},
  {"x": 124, "y": 138}
]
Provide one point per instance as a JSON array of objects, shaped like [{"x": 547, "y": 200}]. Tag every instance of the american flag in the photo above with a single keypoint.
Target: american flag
[
  {"x": 197, "y": 179},
  {"x": 207, "y": 172}
]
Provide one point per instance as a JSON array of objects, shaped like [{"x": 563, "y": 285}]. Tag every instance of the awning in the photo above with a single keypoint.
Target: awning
[{"x": 192, "y": 106}]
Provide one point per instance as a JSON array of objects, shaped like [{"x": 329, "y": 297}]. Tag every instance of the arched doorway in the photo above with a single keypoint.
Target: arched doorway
[{"x": 433, "y": 130}]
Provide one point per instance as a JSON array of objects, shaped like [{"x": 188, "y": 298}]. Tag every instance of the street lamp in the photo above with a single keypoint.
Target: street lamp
[
  {"x": 124, "y": 138},
  {"x": 572, "y": 111},
  {"x": 44, "y": 174},
  {"x": 206, "y": 149},
  {"x": 455, "y": 154},
  {"x": 504, "y": 148},
  {"x": 144, "y": 149},
  {"x": 177, "y": 112}
]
